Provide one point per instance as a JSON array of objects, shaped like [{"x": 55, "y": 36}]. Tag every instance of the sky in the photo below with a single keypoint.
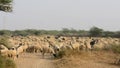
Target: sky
[{"x": 58, "y": 14}]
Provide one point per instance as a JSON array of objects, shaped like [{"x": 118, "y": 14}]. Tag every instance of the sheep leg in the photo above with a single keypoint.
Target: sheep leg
[{"x": 43, "y": 54}]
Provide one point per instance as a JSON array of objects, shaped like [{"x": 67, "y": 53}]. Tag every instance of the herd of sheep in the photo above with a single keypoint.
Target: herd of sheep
[{"x": 53, "y": 44}]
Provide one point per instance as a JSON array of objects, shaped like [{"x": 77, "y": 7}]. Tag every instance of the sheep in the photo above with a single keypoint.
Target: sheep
[
  {"x": 50, "y": 48},
  {"x": 3, "y": 47},
  {"x": 93, "y": 42},
  {"x": 25, "y": 45},
  {"x": 20, "y": 49},
  {"x": 82, "y": 45},
  {"x": 8, "y": 52},
  {"x": 75, "y": 45},
  {"x": 3, "y": 50},
  {"x": 66, "y": 47},
  {"x": 46, "y": 49},
  {"x": 12, "y": 53},
  {"x": 87, "y": 44},
  {"x": 34, "y": 48}
]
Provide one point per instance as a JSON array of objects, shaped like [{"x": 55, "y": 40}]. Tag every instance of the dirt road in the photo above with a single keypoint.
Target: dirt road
[{"x": 30, "y": 60}]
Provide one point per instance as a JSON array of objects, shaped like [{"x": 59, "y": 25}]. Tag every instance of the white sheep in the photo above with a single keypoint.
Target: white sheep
[
  {"x": 19, "y": 49},
  {"x": 12, "y": 53},
  {"x": 3, "y": 50},
  {"x": 49, "y": 48}
]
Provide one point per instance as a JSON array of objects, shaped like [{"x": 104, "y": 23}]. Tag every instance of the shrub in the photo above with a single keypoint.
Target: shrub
[
  {"x": 68, "y": 53},
  {"x": 6, "y": 63},
  {"x": 10, "y": 64},
  {"x": 114, "y": 48},
  {"x": 107, "y": 48},
  {"x": 60, "y": 54},
  {"x": 96, "y": 49}
]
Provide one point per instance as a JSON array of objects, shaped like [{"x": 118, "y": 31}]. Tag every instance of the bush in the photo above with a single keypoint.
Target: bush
[
  {"x": 114, "y": 48},
  {"x": 4, "y": 41},
  {"x": 6, "y": 63},
  {"x": 5, "y": 32},
  {"x": 67, "y": 53},
  {"x": 60, "y": 54},
  {"x": 106, "y": 48},
  {"x": 96, "y": 49}
]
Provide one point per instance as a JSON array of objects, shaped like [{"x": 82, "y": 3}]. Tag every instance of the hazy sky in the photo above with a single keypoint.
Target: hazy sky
[{"x": 58, "y": 14}]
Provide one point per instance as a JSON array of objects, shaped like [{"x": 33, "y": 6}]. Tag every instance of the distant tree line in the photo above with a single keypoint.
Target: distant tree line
[{"x": 93, "y": 32}]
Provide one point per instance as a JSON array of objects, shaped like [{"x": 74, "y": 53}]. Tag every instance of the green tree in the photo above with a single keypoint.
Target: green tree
[
  {"x": 117, "y": 34},
  {"x": 95, "y": 31},
  {"x": 108, "y": 34},
  {"x": 83, "y": 33},
  {"x": 65, "y": 31},
  {"x": 5, "y": 5},
  {"x": 20, "y": 33},
  {"x": 73, "y": 31},
  {"x": 6, "y": 32}
]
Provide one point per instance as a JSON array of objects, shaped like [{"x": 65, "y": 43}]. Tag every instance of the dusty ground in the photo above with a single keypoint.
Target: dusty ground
[
  {"x": 88, "y": 60},
  {"x": 30, "y": 60}
]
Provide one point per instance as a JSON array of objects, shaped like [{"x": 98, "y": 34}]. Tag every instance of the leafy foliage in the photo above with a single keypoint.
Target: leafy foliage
[
  {"x": 5, "y": 32},
  {"x": 95, "y": 31},
  {"x": 5, "y": 1},
  {"x": 5, "y": 5}
]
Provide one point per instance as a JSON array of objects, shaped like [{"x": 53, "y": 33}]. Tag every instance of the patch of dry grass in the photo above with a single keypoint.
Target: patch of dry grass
[
  {"x": 87, "y": 59},
  {"x": 6, "y": 63}
]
